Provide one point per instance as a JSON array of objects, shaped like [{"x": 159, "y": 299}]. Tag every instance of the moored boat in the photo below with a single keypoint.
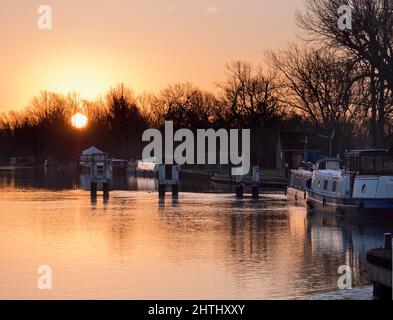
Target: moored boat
[
  {"x": 361, "y": 185},
  {"x": 296, "y": 190},
  {"x": 119, "y": 167}
]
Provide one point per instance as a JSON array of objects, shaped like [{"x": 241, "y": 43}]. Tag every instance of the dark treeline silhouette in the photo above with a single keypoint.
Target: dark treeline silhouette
[
  {"x": 366, "y": 47},
  {"x": 336, "y": 81},
  {"x": 248, "y": 99}
]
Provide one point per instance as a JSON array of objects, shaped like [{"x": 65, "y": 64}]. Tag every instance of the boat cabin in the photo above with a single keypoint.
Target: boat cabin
[
  {"x": 329, "y": 164},
  {"x": 366, "y": 174},
  {"x": 369, "y": 162},
  {"x": 328, "y": 178},
  {"x": 362, "y": 185}
]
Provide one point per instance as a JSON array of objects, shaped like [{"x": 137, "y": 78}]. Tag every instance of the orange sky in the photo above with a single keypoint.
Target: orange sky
[{"x": 147, "y": 44}]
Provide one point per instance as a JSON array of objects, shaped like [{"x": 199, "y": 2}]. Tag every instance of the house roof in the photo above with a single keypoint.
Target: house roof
[
  {"x": 295, "y": 141},
  {"x": 91, "y": 151}
]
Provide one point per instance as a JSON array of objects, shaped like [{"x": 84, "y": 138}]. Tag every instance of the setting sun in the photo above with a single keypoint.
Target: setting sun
[{"x": 79, "y": 120}]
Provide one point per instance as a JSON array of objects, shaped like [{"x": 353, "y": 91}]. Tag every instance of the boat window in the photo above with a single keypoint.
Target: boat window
[
  {"x": 379, "y": 164},
  {"x": 334, "y": 187},
  {"x": 333, "y": 165},
  {"x": 388, "y": 163},
  {"x": 355, "y": 164},
  {"x": 376, "y": 164},
  {"x": 367, "y": 163},
  {"x": 319, "y": 184},
  {"x": 325, "y": 185}
]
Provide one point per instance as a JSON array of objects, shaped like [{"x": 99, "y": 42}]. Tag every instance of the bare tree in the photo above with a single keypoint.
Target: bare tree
[
  {"x": 250, "y": 96},
  {"x": 186, "y": 105},
  {"x": 322, "y": 87},
  {"x": 370, "y": 40},
  {"x": 125, "y": 121}
]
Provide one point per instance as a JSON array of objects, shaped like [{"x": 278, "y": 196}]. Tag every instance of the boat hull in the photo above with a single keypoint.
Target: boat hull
[
  {"x": 296, "y": 196},
  {"x": 349, "y": 206}
]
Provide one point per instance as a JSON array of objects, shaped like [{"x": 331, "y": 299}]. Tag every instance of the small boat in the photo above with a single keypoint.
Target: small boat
[
  {"x": 362, "y": 184},
  {"x": 119, "y": 166},
  {"x": 296, "y": 190},
  {"x": 147, "y": 168}
]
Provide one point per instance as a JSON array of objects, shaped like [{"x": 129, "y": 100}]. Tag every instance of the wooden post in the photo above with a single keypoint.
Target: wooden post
[
  {"x": 161, "y": 190},
  {"x": 239, "y": 187},
  {"x": 175, "y": 190},
  {"x": 239, "y": 191},
  {"x": 255, "y": 192},
  {"x": 255, "y": 182},
  {"x": 388, "y": 241},
  {"x": 93, "y": 189},
  {"x": 161, "y": 181},
  {"x": 106, "y": 189},
  {"x": 175, "y": 181}
]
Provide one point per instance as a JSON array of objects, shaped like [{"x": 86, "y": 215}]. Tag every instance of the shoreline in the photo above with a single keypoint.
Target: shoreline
[{"x": 364, "y": 293}]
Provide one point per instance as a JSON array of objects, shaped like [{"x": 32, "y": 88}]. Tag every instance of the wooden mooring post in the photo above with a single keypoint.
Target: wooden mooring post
[
  {"x": 100, "y": 173},
  {"x": 106, "y": 189},
  {"x": 165, "y": 171},
  {"x": 239, "y": 187},
  {"x": 240, "y": 184},
  {"x": 380, "y": 269},
  {"x": 255, "y": 182},
  {"x": 94, "y": 187},
  {"x": 161, "y": 181}
]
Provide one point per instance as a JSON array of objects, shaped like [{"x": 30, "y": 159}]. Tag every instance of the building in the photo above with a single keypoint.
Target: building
[{"x": 295, "y": 147}]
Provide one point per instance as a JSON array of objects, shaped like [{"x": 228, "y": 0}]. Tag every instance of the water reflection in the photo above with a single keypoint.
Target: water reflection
[
  {"x": 134, "y": 245},
  {"x": 66, "y": 179}
]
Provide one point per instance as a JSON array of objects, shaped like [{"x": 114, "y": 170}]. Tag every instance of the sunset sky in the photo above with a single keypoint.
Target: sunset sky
[{"x": 147, "y": 44}]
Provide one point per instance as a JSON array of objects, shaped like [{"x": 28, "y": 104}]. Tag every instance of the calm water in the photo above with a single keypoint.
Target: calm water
[{"x": 203, "y": 246}]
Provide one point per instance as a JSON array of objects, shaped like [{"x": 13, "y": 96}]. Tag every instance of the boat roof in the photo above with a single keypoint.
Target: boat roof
[
  {"x": 328, "y": 173},
  {"x": 367, "y": 152},
  {"x": 329, "y": 160},
  {"x": 329, "y": 164},
  {"x": 302, "y": 171}
]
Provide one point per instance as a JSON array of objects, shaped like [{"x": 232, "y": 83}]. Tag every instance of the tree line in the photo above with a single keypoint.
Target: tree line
[{"x": 333, "y": 81}]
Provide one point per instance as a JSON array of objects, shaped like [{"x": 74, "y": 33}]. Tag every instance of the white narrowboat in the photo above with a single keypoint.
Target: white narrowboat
[{"x": 362, "y": 184}]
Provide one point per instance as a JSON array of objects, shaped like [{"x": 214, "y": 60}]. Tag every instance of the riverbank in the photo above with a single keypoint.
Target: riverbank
[
  {"x": 274, "y": 178},
  {"x": 362, "y": 294}
]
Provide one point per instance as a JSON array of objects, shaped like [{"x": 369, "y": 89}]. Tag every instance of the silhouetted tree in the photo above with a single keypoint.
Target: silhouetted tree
[
  {"x": 125, "y": 121},
  {"x": 370, "y": 39},
  {"x": 250, "y": 96},
  {"x": 321, "y": 86}
]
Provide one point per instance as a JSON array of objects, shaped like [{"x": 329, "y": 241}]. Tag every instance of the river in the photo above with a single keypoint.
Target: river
[{"x": 205, "y": 245}]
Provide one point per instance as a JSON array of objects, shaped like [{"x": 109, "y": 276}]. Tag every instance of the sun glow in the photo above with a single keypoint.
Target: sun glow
[{"x": 79, "y": 120}]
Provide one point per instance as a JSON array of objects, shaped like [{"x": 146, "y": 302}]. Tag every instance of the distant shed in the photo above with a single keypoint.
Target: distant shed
[{"x": 295, "y": 147}]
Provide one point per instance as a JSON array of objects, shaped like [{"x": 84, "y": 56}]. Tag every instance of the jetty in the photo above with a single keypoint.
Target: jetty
[
  {"x": 380, "y": 269},
  {"x": 268, "y": 178},
  {"x": 168, "y": 175},
  {"x": 99, "y": 166}
]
